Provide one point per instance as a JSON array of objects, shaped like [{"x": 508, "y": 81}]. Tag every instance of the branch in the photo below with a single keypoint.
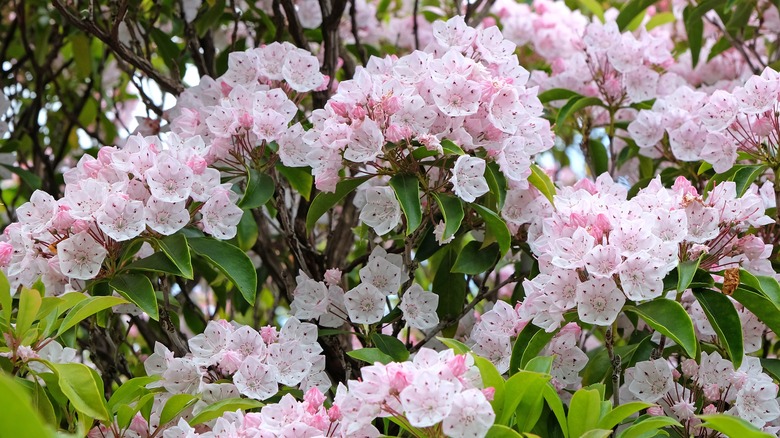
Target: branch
[{"x": 166, "y": 84}]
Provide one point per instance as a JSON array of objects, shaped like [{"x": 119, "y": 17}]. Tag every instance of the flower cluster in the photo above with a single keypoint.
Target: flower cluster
[
  {"x": 599, "y": 249},
  {"x": 250, "y": 105},
  {"x": 380, "y": 278},
  {"x": 257, "y": 362},
  {"x": 147, "y": 187},
  {"x": 707, "y": 387},
  {"x": 466, "y": 87},
  {"x": 434, "y": 390},
  {"x": 286, "y": 418},
  {"x": 714, "y": 127}
]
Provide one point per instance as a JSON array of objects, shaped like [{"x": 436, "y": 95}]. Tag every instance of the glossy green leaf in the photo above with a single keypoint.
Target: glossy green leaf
[
  {"x": 619, "y": 414},
  {"x": 631, "y": 10},
  {"x": 542, "y": 182},
  {"x": 325, "y": 201},
  {"x": 139, "y": 290},
  {"x": 685, "y": 272},
  {"x": 554, "y": 94},
  {"x": 500, "y": 431},
  {"x": 597, "y": 433},
  {"x": 497, "y": 184},
  {"x": 473, "y": 259},
  {"x": 671, "y": 319},
  {"x": 574, "y": 104},
  {"x": 584, "y": 411},
  {"x": 32, "y": 180},
  {"x": 491, "y": 378},
  {"x": 725, "y": 321},
  {"x": 540, "y": 364},
  {"x": 259, "y": 190},
  {"x": 761, "y": 306},
  {"x": 390, "y": 346},
  {"x": 455, "y": 345},
  {"x": 370, "y": 355},
  {"x": 450, "y": 287},
  {"x": 175, "y": 406},
  {"x": 523, "y": 385},
  {"x": 29, "y": 303},
  {"x": 732, "y": 426},
  {"x": 407, "y": 190},
  {"x": 300, "y": 179},
  {"x": 129, "y": 391},
  {"x": 599, "y": 156},
  {"x": 495, "y": 229},
  {"x": 594, "y": 7},
  {"x": 18, "y": 416},
  {"x": 87, "y": 308},
  {"x": 6, "y": 301},
  {"x": 451, "y": 148},
  {"x": 529, "y": 343},
  {"x": 231, "y": 261},
  {"x": 215, "y": 410},
  {"x": 157, "y": 262},
  {"x": 178, "y": 251},
  {"x": 746, "y": 175},
  {"x": 694, "y": 28},
  {"x": 640, "y": 429},
  {"x": 553, "y": 400},
  {"x": 452, "y": 210},
  {"x": 83, "y": 388},
  {"x": 659, "y": 19}
]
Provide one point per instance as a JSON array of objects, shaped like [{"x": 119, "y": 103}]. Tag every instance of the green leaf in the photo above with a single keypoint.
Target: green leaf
[
  {"x": 631, "y": 10},
  {"x": 594, "y": 7},
  {"x": 772, "y": 367},
  {"x": 259, "y": 190},
  {"x": 216, "y": 410},
  {"x": 455, "y": 345},
  {"x": 407, "y": 190},
  {"x": 671, "y": 319},
  {"x": 732, "y": 426},
  {"x": 500, "y": 431},
  {"x": 659, "y": 19},
  {"x": 83, "y": 388},
  {"x": 496, "y": 183},
  {"x": 584, "y": 411},
  {"x": 450, "y": 287},
  {"x": 206, "y": 21},
  {"x": 300, "y": 179},
  {"x": 325, "y": 201},
  {"x": 29, "y": 303},
  {"x": 231, "y": 261},
  {"x": 177, "y": 250},
  {"x": 724, "y": 320},
  {"x": 554, "y": 94},
  {"x": 641, "y": 428},
  {"x": 520, "y": 388},
  {"x": 87, "y": 308},
  {"x": 495, "y": 229},
  {"x": 82, "y": 55},
  {"x": 370, "y": 355},
  {"x": 529, "y": 343},
  {"x": 451, "y": 148},
  {"x": 390, "y": 346},
  {"x": 175, "y": 406},
  {"x": 158, "y": 263},
  {"x": 746, "y": 175},
  {"x": 759, "y": 305},
  {"x": 553, "y": 400},
  {"x": 139, "y": 290},
  {"x": 32, "y": 180},
  {"x": 18, "y": 416},
  {"x": 452, "y": 210},
  {"x": 597, "y": 433},
  {"x": 621, "y": 413},
  {"x": 573, "y": 105},
  {"x": 540, "y": 364},
  {"x": 599, "y": 156},
  {"x": 542, "y": 182},
  {"x": 685, "y": 272},
  {"x": 473, "y": 259},
  {"x": 694, "y": 27},
  {"x": 6, "y": 301},
  {"x": 491, "y": 378},
  {"x": 129, "y": 391},
  {"x": 167, "y": 49}
]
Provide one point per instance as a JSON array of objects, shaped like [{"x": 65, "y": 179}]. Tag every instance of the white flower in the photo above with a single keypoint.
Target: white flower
[
  {"x": 81, "y": 256},
  {"x": 255, "y": 379},
  {"x": 468, "y": 178},
  {"x": 382, "y": 211},
  {"x": 381, "y": 274},
  {"x": 652, "y": 380},
  {"x": 419, "y": 307},
  {"x": 365, "y": 304}
]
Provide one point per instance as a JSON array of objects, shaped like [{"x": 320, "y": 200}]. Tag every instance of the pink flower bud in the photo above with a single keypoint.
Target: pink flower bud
[
  {"x": 676, "y": 374},
  {"x": 226, "y": 89},
  {"x": 333, "y": 277},
  {"x": 340, "y": 108},
  {"x": 489, "y": 393},
  {"x": 334, "y": 413},
  {"x": 712, "y": 391},
  {"x": 197, "y": 164},
  {"x": 457, "y": 365},
  {"x": 246, "y": 121},
  {"x": 25, "y": 353},
  {"x": 357, "y": 112},
  {"x": 230, "y": 362},
  {"x": 80, "y": 225},
  {"x": 269, "y": 334},
  {"x": 6, "y": 252},
  {"x": 690, "y": 368},
  {"x": 314, "y": 398},
  {"x": 655, "y": 411},
  {"x": 710, "y": 409}
]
